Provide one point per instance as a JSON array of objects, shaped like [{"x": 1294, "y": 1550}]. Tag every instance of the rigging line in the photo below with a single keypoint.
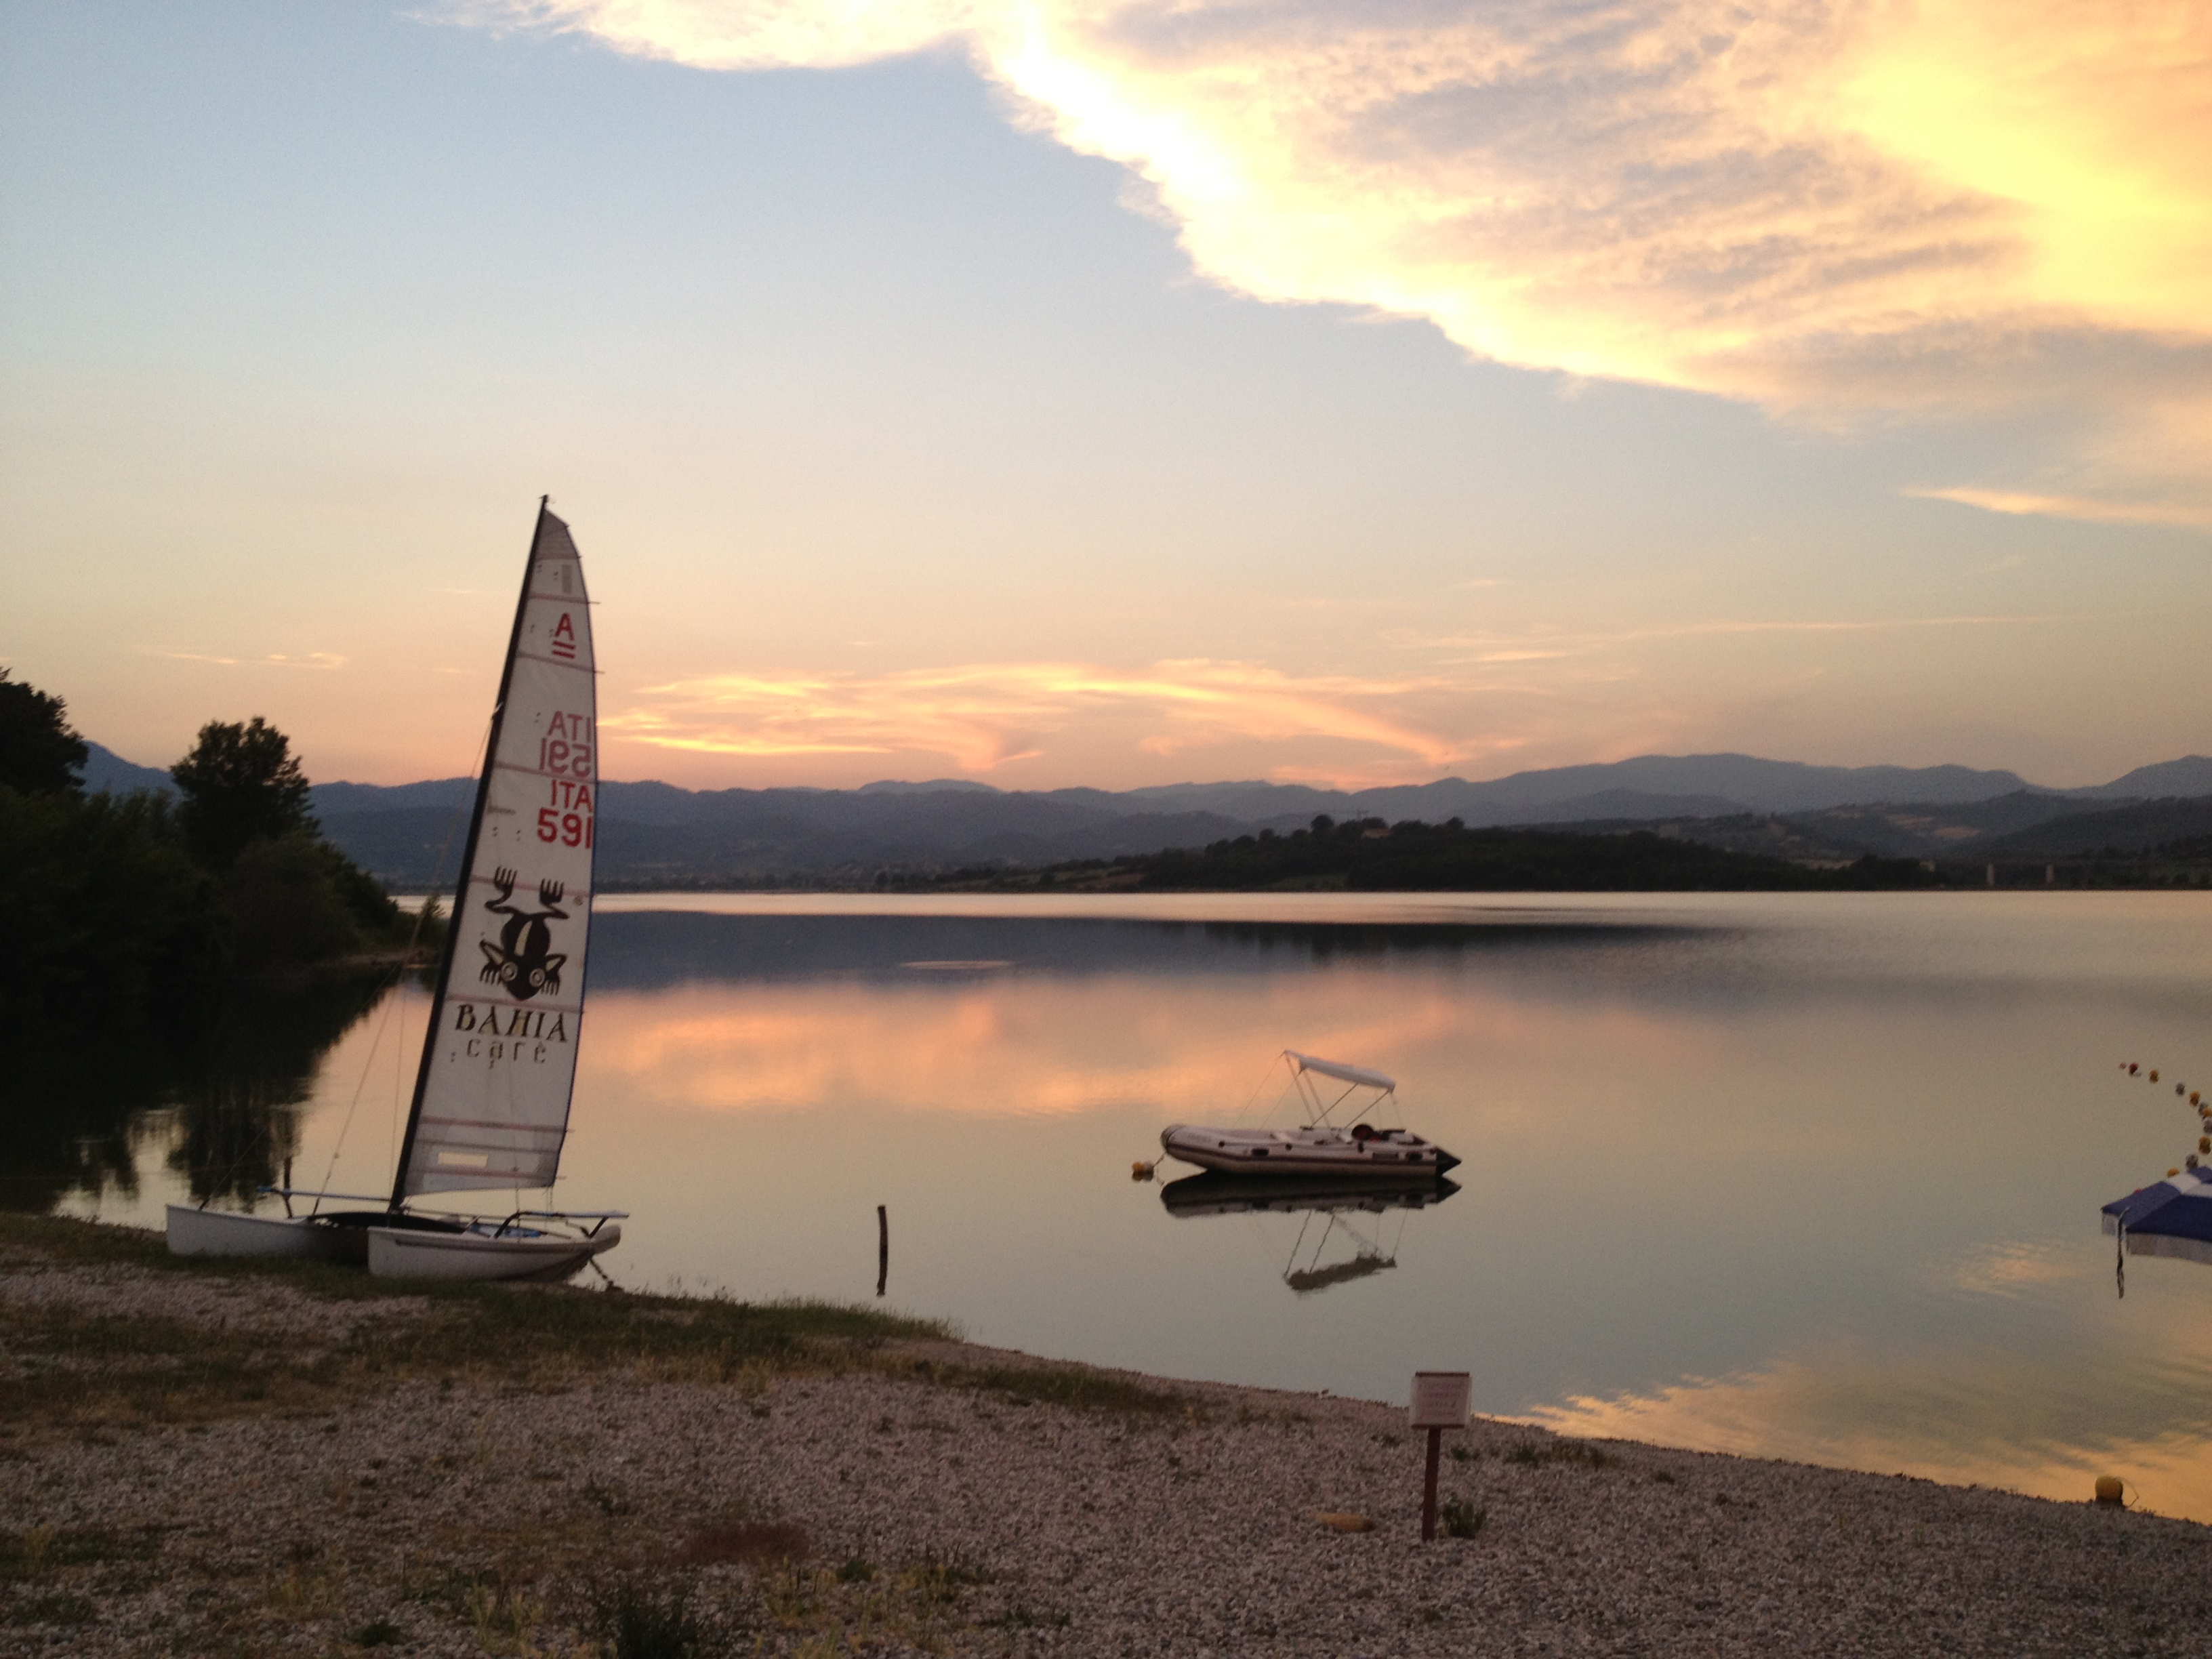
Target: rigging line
[
  {"x": 367, "y": 1064},
  {"x": 414, "y": 937},
  {"x": 1266, "y": 1072},
  {"x": 1299, "y": 1243},
  {"x": 1402, "y": 1216},
  {"x": 1321, "y": 1244}
]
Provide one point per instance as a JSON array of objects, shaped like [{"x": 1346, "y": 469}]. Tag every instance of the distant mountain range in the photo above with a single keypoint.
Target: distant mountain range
[{"x": 654, "y": 833}]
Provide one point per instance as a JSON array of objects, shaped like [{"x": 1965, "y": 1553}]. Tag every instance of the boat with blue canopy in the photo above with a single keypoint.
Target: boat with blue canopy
[{"x": 2173, "y": 1217}]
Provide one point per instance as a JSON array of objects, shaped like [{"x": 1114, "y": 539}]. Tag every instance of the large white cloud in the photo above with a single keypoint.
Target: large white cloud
[{"x": 1841, "y": 209}]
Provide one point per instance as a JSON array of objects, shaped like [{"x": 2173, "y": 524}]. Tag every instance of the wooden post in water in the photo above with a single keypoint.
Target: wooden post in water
[
  {"x": 1441, "y": 1400},
  {"x": 883, "y": 1247}
]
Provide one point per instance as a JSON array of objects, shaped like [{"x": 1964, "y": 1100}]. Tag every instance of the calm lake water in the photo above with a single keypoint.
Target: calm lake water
[{"x": 1815, "y": 1176}]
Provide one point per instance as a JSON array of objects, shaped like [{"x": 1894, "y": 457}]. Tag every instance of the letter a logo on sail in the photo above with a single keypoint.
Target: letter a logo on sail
[{"x": 564, "y": 638}]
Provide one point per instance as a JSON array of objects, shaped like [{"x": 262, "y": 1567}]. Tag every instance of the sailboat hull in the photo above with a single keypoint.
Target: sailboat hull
[
  {"x": 396, "y": 1253},
  {"x": 222, "y": 1232}
]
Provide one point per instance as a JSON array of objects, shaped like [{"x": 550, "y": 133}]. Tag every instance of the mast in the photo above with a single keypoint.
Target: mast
[{"x": 468, "y": 864}]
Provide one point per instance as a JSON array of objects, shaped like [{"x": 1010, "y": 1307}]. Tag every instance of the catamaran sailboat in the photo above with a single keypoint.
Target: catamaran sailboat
[
  {"x": 490, "y": 1107},
  {"x": 1355, "y": 1150}
]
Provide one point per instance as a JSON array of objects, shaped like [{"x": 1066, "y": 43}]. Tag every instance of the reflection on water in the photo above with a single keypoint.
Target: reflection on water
[
  {"x": 2104, "y": 1397},
  {"x": 1811, "y": 1175},
  {"x": 218, "y": 1106},
  {"x": 1348, "y": 1244}
]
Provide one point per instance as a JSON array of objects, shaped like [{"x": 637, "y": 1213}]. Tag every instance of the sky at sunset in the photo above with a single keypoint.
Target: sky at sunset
[{"x": 1071, "y": 393}]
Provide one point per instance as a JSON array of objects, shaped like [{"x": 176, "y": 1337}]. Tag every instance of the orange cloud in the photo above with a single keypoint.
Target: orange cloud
[
  {"x": 278, "y": 660},
  {"x": 982, "y": 715},
  {"x": 1984, "y": 206},
  {"x": 2073, "y": 507},
  {"x": 1561, "y": 645}
]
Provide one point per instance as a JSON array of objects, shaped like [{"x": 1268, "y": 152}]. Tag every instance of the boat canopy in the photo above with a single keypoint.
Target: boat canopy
[
  {"x": 1339, "y": 1071},
  {"x": 2173, "y": 1217}
]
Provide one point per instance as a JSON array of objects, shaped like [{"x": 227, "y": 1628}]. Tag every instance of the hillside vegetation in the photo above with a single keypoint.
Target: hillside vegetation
[{"x": 1369, "y": 855}]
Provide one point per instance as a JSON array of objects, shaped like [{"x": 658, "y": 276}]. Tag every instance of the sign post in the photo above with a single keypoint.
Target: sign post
[{"x": 1441, "y": 1400}]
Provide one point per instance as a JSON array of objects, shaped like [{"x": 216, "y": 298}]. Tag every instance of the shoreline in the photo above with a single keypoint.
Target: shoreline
[{"x": 264, "y": 1458}]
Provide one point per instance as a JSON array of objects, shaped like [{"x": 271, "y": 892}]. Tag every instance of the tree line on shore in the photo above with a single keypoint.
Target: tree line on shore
[
  {"x": 1370, "y": 855},
  {"x": 137, "y": 911}
]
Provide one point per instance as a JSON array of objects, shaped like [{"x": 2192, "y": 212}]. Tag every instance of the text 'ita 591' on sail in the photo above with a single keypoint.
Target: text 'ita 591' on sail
[{"x": 498, "y": 1068}]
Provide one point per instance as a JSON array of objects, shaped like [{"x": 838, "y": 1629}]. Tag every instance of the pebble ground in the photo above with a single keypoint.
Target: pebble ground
[{"x": 443, "y": 1518}]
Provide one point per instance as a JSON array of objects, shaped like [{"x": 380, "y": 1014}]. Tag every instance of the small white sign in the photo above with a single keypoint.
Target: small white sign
[{"x": 1442, "y": 1399}]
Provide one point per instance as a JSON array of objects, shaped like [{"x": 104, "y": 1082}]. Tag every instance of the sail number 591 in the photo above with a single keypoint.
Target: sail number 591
[{"x": 570, "y": 828}]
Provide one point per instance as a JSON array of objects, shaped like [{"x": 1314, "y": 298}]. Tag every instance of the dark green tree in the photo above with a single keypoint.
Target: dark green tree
[
  {"x": 110, "y": 924},
  {"x": 241, "y": 783},
  {"x": 38, "y": 753}
]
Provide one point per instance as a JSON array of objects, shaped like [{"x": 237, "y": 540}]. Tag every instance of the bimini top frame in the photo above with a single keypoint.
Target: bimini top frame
[{"x": 1306, "y": 1068}]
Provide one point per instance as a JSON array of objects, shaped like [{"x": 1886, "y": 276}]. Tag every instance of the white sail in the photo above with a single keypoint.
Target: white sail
[{"x": 491, "y": 1106}]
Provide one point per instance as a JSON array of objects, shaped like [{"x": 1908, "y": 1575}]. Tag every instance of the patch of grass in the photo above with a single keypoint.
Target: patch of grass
[
  {"x": 605, "y": 1499},
  {"x": 537, "y": 1335},
  {"x": 59, "y": 1608},
  {"x": 93, "y": 1242},
  {"x": 1533, "y": 1453},
  {"x": 92, "y": 1373},
  {"x": 936, "y": 1581},
  {"x": 1072, "y": 1386},
  {"x": 1463, "y": 1518},
  {"x": 639, "y": 1618},
  {"x": 856, "y": 1572},
  {"x": 1461, "y": 1453},
  {"x": 380, "y": 1633},
  {"x": 505, "y": 1612},
  {"x": 35, "y": 1552},
  {"x": 1019, "y": 1616}
]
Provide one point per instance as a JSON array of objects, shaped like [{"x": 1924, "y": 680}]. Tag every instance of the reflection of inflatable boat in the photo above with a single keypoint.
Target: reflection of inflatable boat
[
  {"x": 1338, "y": 1201},
  {"x": 1354, "y": 1151},
  {"x": 1211, "y": 1193}
]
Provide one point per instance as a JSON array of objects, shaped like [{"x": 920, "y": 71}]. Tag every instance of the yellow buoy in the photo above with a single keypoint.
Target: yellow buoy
[
  {"x": 2109, "y": 1491},
  {"x": 2170, "y": 1174},
  {"x": 2196, "y": 1096},
  {"x": 2205, "y": 1143},
  {"x": 1141, "y": 1170},
  {"x": 2153, "y": 1074}
]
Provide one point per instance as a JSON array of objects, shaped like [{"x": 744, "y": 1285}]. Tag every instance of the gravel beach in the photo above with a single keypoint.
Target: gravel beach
[{"x": 914, "y": 1496}]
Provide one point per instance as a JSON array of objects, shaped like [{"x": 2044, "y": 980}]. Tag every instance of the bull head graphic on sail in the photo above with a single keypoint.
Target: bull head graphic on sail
[{"x": 524, "y": 962}]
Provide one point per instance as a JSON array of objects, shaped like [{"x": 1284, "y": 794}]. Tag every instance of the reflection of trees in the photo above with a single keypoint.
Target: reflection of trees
[
  {"x": 226, "y": 1097},
  {"x": 65, "y": 1115},
  {"x": 1326, "y": 940},
  {"x": 236, "y": 1117}
]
